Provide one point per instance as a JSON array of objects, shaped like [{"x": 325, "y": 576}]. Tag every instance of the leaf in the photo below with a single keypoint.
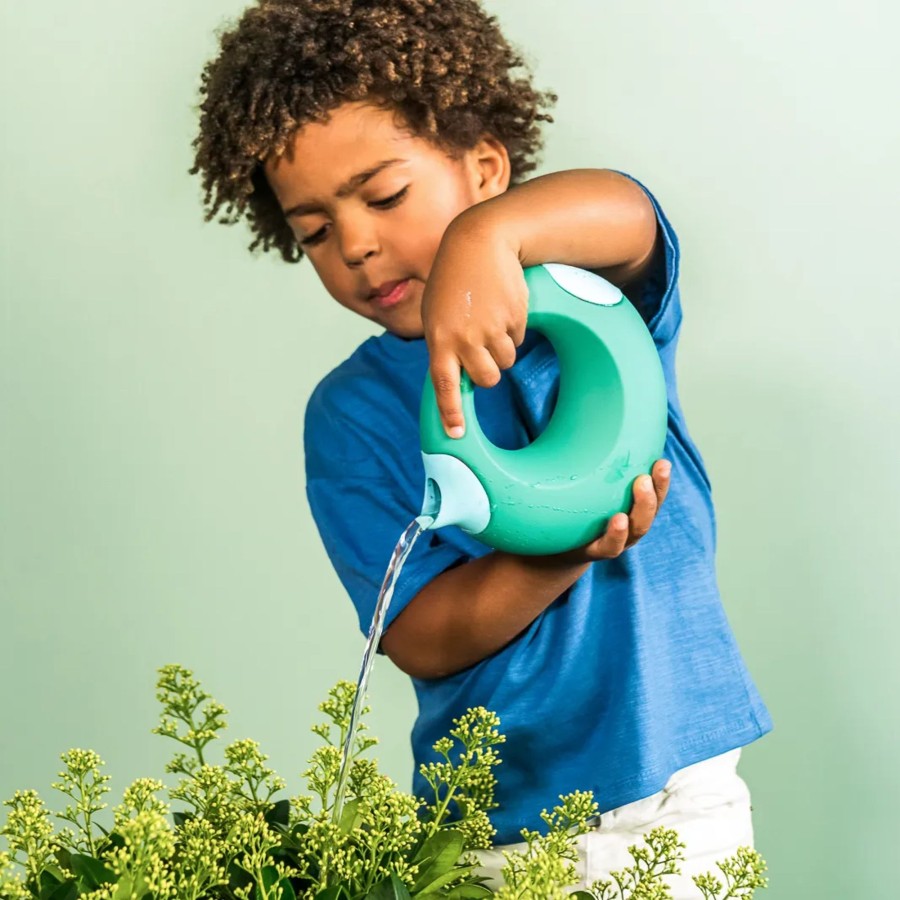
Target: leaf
[
  {"x": 470, "y": 892},
  {"x": 51, "y": 874},
  {"x": 392, "y": 888},
  {"x": 581, "y": 895},
  {"x": 287, "y": 890},
  {"x": 443, "y": 850},
  {"x": 64, "y": 857},
  {"x": 349, "y": 816},
  {"x": 113, "y": 839},
  {"x": 337, "y": 892},
  {"x": 91, "y": 872},
  {"x": 269, "y": 877},
  {"x": 432, "y": 889},
  {"x": 48, "y": 881},
  {"x": 68, "y": 890},
  {"x": 126, "y": 889},
  {"x": 237, "y": 877},
  {"x": 279, "y": 813},
  {"x": 180, "y": 818}
]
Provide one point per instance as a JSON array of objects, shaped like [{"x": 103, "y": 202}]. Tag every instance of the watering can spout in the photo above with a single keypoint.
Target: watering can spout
[{"x": 453, "y": 495}]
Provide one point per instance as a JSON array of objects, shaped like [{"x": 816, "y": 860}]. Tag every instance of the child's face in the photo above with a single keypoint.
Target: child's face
[{"x": 369, "y": 204}]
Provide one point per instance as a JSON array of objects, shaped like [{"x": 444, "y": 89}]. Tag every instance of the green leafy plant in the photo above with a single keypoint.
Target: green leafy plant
[{"x": 234, "y": 840}]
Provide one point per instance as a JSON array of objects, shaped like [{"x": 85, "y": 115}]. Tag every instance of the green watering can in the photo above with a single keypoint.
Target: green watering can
[{"x": 609, "y": 426}]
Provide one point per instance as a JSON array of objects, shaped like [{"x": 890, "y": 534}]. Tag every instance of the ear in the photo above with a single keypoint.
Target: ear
[{"x": 488, "y": 166}]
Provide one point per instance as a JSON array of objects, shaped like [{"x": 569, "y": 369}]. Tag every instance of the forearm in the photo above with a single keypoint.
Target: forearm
[
  {"x": 470, "y": 612},
  {"x": 592, "y": 218}
]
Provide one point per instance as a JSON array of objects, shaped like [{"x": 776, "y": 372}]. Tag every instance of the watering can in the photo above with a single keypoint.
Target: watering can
[{"x": 608, "y": 427}]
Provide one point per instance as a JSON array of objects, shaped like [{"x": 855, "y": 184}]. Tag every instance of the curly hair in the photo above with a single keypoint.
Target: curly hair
[{"x": 443, "y": 65}]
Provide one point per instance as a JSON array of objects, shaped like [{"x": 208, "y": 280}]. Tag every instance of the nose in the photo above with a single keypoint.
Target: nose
[{"x": 358, "y": 241}]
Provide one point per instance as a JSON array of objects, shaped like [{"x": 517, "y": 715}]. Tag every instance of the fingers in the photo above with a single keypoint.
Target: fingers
[
  {"x": 482, "y": 364},
  {"x": 623, "y": 531},
  {"x": 445, "y": 375},
  {"x": 613, "y": 541},
  {"x": 661, "y": 472},
  {"x": 516, "y": 329},
  {"x": 503, "y": 350},
  {"x": 643, "y": 509},
  {"x": 649, "y": 493}
]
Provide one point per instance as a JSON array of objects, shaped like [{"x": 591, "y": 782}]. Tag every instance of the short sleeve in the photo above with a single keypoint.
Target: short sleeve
[
  {"x": 656, "y": 296},
  {"x": 363, "y": 493}
]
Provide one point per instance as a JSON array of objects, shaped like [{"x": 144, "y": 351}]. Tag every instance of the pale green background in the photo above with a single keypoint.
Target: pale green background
[{"x": 155, "y": 375}]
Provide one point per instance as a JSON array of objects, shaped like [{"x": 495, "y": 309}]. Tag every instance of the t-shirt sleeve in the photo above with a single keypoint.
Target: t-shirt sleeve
[
  {"x": 656, "y": 295},
  {"x": 362, "y": 498}
]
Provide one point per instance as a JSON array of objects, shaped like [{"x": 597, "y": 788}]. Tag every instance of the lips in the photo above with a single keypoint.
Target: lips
[{"x": 389, "y": 293}]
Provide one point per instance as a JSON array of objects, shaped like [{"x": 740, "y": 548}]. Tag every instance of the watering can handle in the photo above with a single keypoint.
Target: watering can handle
[
  {"x": 609, "y": 425},
  {"x": 580, "y": 284}
]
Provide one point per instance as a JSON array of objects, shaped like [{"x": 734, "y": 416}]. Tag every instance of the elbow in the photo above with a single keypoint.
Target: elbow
[
  {"x": 398, "y": 652},
  {"x": 419, "y": 662}
]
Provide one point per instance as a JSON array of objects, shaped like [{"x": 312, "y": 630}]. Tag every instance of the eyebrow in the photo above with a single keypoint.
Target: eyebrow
[{"x": 303, "y": 209}]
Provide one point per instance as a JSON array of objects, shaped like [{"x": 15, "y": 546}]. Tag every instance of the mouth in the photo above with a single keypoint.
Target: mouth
[{"x": 390, "y": 293}]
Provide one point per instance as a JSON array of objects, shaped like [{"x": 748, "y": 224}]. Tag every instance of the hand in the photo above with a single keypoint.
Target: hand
[
  {"x": 474, "y": 311},
  {"x": 624, "y": 531}
]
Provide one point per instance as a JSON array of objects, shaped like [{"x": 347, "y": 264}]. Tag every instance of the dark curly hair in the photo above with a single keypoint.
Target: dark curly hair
[{"x": 443, "y": 65}]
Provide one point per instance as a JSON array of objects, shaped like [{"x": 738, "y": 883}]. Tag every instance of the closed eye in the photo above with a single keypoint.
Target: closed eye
[
  {"x": 314, "y": 239},
  {"x": 386, "y": 203},
  {"x": 393, "y": 200}
]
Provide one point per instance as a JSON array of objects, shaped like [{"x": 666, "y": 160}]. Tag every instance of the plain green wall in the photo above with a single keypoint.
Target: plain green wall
[{"x": 155, "y": 375}]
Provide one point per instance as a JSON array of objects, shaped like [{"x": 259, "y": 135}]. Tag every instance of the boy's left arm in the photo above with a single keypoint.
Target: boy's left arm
[{"x": 475, "y": 304}]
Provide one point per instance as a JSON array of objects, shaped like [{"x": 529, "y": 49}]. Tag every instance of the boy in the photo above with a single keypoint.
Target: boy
[{"x": 387, "y": 141}]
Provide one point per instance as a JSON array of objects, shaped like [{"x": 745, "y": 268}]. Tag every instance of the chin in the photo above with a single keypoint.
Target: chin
[
  {"x": 407, "y": 323},
  {"x": 409, "y": 332}
]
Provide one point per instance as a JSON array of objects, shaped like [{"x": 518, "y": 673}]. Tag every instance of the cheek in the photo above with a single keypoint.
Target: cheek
[
  {"x": 425, "y": 232},
  {"x": 336, "y": 278}
]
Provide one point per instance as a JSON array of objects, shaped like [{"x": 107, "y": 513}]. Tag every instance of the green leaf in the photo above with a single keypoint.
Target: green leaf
[
  {"x": 392, "y": 888},
  {"x": 64, "y": 857},
  {"x": 237, "y": 877},
  {"x": 349, "y": 816},
  {"x": 442, "y": 850},
  {"x": 51, "y": 876},
  {"x": 68, "y": 890},
  {"x": 125, "y": 888},
  {"x": 469, "y": 892},
  {"x": 432, "y": 889},
  {"x": 269, "y": 878},
  {"x": 279, "y": 813},
  {"x": 581, "y": 895},
  {"x": 48, "y": 882},
  {"x": 181, "y": 817},
  {"x": 91, "y": 872},
  {"x": 287, "y": 890},
  {"x": 337, "y": 892},
  {"x": 113, "y": 839}
]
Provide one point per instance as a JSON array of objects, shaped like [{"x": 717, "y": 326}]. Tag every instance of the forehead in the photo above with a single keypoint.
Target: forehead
[{"x": 356, "y": 137}]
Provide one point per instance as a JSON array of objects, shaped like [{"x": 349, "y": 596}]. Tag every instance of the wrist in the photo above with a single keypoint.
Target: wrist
[{"x": 485, "y": 224}]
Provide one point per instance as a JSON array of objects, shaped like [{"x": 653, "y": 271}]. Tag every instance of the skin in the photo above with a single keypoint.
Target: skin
[{"x": 454, "y": 228}]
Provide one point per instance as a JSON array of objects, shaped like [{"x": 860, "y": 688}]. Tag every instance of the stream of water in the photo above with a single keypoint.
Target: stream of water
[{"x": 398, "y": 557}]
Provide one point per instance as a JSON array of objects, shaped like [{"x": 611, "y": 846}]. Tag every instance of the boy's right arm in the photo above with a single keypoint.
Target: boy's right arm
[{"x": 470, "y": 612}]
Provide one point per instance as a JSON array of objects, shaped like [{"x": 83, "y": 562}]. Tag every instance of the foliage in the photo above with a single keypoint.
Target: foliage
[{"x": 232, "y": 840}]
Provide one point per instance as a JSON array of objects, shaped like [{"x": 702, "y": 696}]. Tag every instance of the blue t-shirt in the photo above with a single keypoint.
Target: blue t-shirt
[{"x": 633, "y": 673}]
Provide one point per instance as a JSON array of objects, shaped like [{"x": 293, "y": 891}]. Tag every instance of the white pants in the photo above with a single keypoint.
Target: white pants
[{"x": 708, "y": 804}]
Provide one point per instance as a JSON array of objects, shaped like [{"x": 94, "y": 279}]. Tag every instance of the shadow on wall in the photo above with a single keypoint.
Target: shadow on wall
[{"x": 803, "y": 583}]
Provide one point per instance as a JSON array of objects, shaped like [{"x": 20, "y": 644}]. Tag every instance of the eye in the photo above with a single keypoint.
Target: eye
[
  {"x": 393, "y": 200},
  {"x": 314, "y": 239}
]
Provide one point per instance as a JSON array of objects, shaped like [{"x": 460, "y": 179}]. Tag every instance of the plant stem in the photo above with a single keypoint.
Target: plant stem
[{"x": 86, "y": 809}]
